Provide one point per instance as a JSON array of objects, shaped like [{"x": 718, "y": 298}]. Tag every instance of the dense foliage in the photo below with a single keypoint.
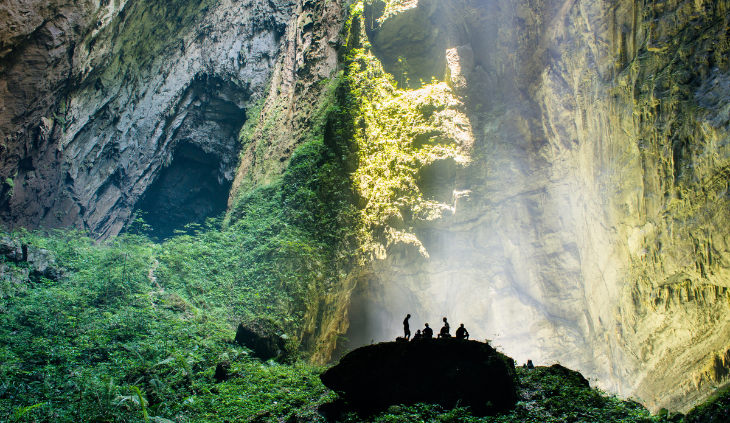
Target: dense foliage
[
  {"x": 397, "y": 133},
  {"x": 114, "y": 342},
  {"x": 715, "y": 410},
  {"x": 136, "y": 323}
]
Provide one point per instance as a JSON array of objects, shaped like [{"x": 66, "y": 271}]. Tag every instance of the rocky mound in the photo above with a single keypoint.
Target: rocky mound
[
  {"x": 40, "y": 262},
  {"x": 438, "y": 371}
]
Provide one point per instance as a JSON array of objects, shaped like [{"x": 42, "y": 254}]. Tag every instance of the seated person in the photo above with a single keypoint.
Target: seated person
[
  {"x": 444, "y": 333},
  {"x": 427, "y": 332},
  {"x": 461, "y": 332},
  {"x": 417, "y": 336}
]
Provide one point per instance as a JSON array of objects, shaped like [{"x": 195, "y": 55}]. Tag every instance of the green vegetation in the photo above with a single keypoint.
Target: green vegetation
[
  {"x": 134, "y": 330},
  {"x": 715, "y": 410},
  {"x": 397, "y": 133},
  {"x": 119, "y": 339}
]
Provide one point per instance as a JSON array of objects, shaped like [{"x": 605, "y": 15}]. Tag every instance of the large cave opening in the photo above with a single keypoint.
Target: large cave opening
[
  {"x": 204, "y": 137},
  {"x": 189, "y": 190}
]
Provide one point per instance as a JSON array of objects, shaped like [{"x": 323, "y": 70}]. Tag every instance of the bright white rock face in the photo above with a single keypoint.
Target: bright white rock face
[{"x": 591, "y": 225}]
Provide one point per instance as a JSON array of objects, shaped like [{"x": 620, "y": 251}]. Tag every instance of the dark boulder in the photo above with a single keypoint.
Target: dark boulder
[
  {"x": 41, "y": 261},
  {"x": 263, "y": 337},
  {"x": 221, "y": 371},
  {"x": 11, "y": 248},
  {"x": 439, "y": 371}
]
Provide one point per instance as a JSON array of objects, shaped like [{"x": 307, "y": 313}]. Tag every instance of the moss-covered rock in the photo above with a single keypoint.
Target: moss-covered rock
[{"x": 263, "y": 337}]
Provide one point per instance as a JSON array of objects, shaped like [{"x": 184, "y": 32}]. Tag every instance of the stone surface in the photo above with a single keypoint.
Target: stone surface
[
  {"x": 263, "y": 338},
  {"x": 444, "y": 371},
  {"x": 591, "y": 226},
  {"x": 36, "y": 262},
  {"x": 96, "y": 102}
]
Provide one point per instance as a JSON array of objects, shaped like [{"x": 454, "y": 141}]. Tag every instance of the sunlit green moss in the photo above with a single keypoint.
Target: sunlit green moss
[{"x": 398, "y": 131}]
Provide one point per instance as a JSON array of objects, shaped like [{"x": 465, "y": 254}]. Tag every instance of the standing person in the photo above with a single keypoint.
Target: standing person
[
  {"x": 406, "y": 328},
  {"x": 427, "y": 332}
]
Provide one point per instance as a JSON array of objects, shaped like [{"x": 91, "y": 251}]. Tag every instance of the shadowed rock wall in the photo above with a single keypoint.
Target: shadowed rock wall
[{"x": 97, "y": 98}]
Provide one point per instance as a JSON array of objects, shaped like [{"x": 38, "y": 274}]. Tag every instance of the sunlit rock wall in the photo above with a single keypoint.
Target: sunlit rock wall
[{"x": 591, "y": 227}]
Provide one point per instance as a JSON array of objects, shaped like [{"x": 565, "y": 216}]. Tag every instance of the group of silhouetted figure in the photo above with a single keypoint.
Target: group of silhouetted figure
[{"x": 427, "y": 332}]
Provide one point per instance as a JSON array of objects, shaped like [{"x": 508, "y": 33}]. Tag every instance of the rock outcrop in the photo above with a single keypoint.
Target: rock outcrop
[
  {"x": 22, "y": 265},
  {"x": 263, "y": 337},
  {"x": 38, "y": 261},
  {"x": 437, "y": 371}
]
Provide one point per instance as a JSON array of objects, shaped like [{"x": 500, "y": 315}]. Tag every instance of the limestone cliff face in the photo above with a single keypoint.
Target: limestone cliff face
[
  {"x": 99, "y": 97},
  {"x": 586, "y": 224},
  {"x": 591, "y": 226}
]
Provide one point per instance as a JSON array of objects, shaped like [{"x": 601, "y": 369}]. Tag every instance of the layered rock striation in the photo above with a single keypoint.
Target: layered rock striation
[
  {"x": 589, "y": 224},
  {"x": 98, "y": 98}
]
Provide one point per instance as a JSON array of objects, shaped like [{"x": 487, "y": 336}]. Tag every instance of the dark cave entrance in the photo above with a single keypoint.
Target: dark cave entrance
[
  {"x": 189, "y": 190},
  {"x": 196, "y": 183}
]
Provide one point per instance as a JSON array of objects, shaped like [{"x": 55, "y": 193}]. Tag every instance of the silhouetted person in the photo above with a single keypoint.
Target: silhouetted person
[
  {"x": 427, "y": 332},
  {"x": 461, "y": 332},
  {"x": 417, "y": 336},
  {"x": 530, "y": 366},
  {"x": 444, "y": 333},
  {"x": 406, "y": 328}
]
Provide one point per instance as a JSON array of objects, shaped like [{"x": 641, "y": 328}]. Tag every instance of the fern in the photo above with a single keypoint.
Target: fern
[
  {"x": 136, "y": 398},
  {"x": 142, "y": 401},
  {"x": 22, "y": 411}
]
